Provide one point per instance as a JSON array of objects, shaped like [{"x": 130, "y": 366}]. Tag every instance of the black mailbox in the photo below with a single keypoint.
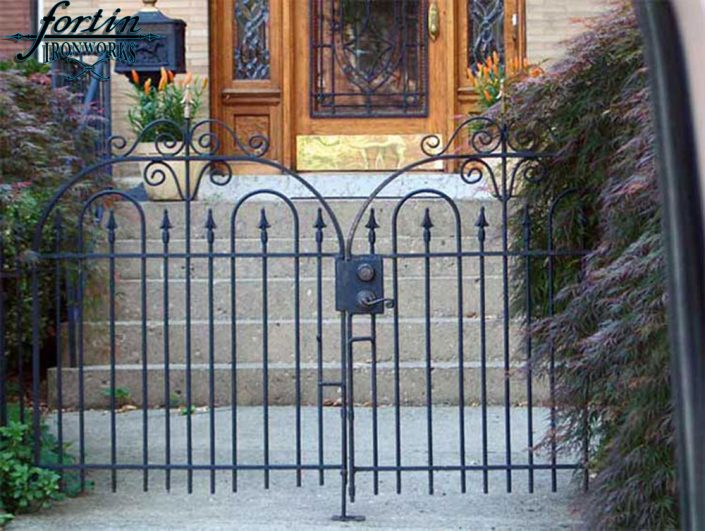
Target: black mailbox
[{"x": 167, "y": 51}]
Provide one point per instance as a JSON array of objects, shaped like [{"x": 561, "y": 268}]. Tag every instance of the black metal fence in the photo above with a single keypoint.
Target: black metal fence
[
  {"x": 220, "y": 294},
  {"x": 96, "y": 95}
]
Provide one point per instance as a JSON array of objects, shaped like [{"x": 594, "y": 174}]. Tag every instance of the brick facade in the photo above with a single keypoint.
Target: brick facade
[
  {"x": 550, "y": 22},
  {"x": 16, "y": 17}
]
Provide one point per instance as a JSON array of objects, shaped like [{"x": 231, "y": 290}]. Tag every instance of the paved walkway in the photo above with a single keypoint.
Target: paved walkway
[{"x": 284, "y": 506}]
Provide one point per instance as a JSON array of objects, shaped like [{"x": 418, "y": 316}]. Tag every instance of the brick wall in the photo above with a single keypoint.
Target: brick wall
[
  {"x": 550, "y": 22},
  {"x": 15, "y": 17}
]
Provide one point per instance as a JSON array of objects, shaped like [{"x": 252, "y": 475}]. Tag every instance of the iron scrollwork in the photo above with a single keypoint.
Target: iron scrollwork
[
  {"x": 252, "y": 55},
  {"x": 369, "y": 58},
  {"x": 485, "y": 29}
]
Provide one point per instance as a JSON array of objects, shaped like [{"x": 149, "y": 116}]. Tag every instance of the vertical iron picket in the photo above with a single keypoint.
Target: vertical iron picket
[
  {"x": 112, "y": 226},
  {"x": 187, "y": 331},
  {"x": 427, "y": 225},
  {"x": 210, "y": 236},
  {"x": 19, "y": 324},
  {"x": 461, "y": 351},
  {"x": 397, "y": 367},
  {"x": 552, "y": 360},
  {"x": 529, "y": 360},
  {"x": 319, "y": 225},
  {"x": 36, "y": 373},
  {"x": 80, "y": 310},
  {"x": 504, "y": 199},
  {"x": 145, "y": 364},
  {"x": 264, "y": 239},
  {"x": 233, "y": 353},
  {"x": 372, "y": 227},
  {"x": 481, "y": 225},
  {"x": 58, "y": 241},
  {"x": 297, "y": 344},
  {"x": 166, "y": 237}
]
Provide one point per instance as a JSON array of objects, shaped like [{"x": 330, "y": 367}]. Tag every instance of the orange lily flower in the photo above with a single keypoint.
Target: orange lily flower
[
  {"x": 163, "y": 80},
  {"x": 135, "y": 77},
  {"x": 147, "y": 86}
]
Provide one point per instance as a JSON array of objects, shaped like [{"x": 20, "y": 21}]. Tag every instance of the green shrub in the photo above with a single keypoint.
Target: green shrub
[
  {"x": 609, "y": 334},
  {"x": 45, "y": 138},
  {"x": 24, "y": 487},
  {"x": 27, "y": 68},
  {"x": 121, "y": 395}
]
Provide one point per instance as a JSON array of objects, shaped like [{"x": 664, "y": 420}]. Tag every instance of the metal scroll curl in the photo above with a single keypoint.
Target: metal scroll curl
[
  {"x": 474, "y": 170},
  {"x": 523, "y": 138},
  {"x": 157, "y": 172},
  {"x": 484, "y": 136},
  {"x": 165, "y": 136},
  {"x": 208, "y": 137}
]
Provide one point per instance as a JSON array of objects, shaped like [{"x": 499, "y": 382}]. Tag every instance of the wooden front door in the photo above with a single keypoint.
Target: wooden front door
[
  {"x": 351, "y": 84},
  {"x": 371, "y": 80}
]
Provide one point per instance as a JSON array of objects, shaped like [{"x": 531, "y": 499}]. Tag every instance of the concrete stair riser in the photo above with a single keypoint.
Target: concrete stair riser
[
  {"x": 280, "y": 219},
  {"x": 283, "y": 267},
  {"x": 281, "y": 298},
  {"x": 281, "y": 335},
  {"x": 442, "y": 243}
]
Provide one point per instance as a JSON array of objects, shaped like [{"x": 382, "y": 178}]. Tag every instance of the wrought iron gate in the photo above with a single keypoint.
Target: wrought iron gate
[{"x": 198, "y": 282}]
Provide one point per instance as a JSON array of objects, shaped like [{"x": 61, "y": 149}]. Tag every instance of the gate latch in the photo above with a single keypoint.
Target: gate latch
[{"x": 359, "y": 285}]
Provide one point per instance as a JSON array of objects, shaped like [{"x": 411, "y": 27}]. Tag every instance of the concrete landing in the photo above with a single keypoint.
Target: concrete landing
[{"x": 284, "y": 506}]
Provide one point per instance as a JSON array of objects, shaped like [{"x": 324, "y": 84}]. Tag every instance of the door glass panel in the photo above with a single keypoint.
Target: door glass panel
[
  {"x": 369, "y": 58},
  {"x": 486, "y": 28},
  {"x": 251, "y": 39}
]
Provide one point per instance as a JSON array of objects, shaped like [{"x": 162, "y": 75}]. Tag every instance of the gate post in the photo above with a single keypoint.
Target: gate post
[
  {"x": 346, "y": 420},
  {"x": 359, "y": 289}
]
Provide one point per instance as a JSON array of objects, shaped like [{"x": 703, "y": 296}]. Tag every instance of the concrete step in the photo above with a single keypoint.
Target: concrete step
[
  {"x": 282, "y": 384},
  {"x": 247, "y": 247},
  {"x": 281, "y": 298},
  {"x": 282, "y": 340},
  {"x": 283, "y": 267}
]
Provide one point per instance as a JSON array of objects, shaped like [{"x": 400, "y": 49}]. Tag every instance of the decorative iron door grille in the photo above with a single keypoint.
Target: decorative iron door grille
[
  {"x": 369, "y": 58},
  {"x": 485, "y": 30},
  {"x": 206, "y": 316}
]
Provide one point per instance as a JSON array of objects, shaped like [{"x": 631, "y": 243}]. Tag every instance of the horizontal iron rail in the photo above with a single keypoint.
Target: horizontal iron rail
[
  {"x": 456, "y": 468},
  {"x": 390, "y": 256},
  {"x": 174, "y": 466}
]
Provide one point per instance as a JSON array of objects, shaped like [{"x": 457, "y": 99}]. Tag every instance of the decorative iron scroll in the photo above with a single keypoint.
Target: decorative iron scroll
[
  {"x": 252, "y": 57},
  {"x": 485, "y": 29},
  {"x": 369, "y": 58}
]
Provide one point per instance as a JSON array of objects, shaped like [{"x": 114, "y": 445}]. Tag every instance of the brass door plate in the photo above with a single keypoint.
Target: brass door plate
[{"x": 361, "y": 152}]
